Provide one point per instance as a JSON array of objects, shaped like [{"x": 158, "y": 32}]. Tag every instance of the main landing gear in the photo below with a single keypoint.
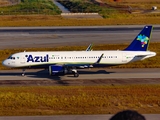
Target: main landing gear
[{"x": 75, "y": 73}]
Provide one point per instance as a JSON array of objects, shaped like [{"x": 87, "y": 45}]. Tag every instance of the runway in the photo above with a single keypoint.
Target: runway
[
  {"x": 24, "y": 37},
  {"x": 87, "y": 77}
]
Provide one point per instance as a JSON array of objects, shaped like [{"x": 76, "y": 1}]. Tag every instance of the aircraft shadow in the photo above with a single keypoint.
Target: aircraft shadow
[
  {"x": 37, "y": 74},
  {"x": 94, "y": 72},
  {"x": 45, "y": 74},
  {"x": 27, "y": 80},
  {"x": 91, "y": 72}
]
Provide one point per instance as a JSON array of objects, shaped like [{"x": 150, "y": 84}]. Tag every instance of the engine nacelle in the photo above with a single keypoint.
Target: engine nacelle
[{"x": 56, "y": 70}]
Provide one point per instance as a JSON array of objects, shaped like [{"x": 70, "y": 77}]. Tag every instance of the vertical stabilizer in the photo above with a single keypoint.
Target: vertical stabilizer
[{"x": 141, "y": 42}]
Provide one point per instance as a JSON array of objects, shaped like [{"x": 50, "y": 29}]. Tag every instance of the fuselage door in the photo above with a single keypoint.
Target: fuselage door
[{"x": 22, "y": 60}]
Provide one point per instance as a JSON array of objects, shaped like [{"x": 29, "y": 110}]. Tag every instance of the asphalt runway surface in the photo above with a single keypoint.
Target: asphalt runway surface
[
  {"x": 94, "y": 76},
  {"x": 24, "y": 37}
]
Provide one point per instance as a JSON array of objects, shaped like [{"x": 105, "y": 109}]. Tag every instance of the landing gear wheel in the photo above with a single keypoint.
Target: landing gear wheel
[
  {"x": 76, "y": 74},
  {"x": 23, "y": 72}
]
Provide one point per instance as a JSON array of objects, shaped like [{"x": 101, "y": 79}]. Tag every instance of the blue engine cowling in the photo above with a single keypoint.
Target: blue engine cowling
[{"x": 56, "y": 70}]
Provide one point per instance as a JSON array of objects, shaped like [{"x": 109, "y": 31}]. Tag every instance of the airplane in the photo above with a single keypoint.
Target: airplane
[{"x": 64, "y": 62}]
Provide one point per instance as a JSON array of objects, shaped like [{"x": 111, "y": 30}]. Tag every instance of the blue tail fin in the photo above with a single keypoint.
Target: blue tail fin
[{"x": 141, "y": 42}]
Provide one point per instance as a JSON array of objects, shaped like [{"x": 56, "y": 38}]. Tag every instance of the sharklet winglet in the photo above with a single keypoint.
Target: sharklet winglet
[{"x": 89, "y": 47}]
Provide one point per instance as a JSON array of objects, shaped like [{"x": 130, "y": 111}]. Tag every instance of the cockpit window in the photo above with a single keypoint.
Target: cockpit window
[
  {"x": 9, "y": 57},
  {"x": 12, "y": 58}
]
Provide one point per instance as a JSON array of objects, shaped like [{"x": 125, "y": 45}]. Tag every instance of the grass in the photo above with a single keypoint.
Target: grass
[
  {"x": 47, "y": 20},
  {"x": 108, "y": 8},
  {"x": 31, "y": 18},
  {"x": 31, "y": 7},
  {"x": 60, "y": 100},
  {"x": 88, "y": 7},
  {"x": 148, "y": 63}
]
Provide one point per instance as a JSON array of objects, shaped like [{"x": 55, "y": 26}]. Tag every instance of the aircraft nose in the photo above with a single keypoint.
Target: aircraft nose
[{"x": 6, "y": 63}]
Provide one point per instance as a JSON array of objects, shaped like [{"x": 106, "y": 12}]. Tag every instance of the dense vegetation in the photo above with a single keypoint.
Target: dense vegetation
[
  {"x": 31, "y": 7},
  {"x": 88, "y": 7},
  {"x": 111, "y": 9}
]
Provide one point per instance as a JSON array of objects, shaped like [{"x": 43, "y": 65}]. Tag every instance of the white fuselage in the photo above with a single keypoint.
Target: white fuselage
[{"x": 77, "y": 58}]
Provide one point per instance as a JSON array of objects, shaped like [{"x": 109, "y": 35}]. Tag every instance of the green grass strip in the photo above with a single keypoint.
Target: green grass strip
[{"x": 31, "y": 7}]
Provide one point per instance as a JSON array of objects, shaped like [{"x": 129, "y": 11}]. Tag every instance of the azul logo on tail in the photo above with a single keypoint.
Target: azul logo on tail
[
  {"x": 31, "y": 58},
  {"x": 141, "y": 42},
  {"x": 144, "y": 39}
]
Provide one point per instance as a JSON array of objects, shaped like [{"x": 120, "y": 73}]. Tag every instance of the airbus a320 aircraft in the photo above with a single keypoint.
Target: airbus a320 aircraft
[{"x": 63, "y": 62}]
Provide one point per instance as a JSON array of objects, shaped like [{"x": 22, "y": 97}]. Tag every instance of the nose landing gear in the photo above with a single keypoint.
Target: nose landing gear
[{"x": 23, "y": 72}]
